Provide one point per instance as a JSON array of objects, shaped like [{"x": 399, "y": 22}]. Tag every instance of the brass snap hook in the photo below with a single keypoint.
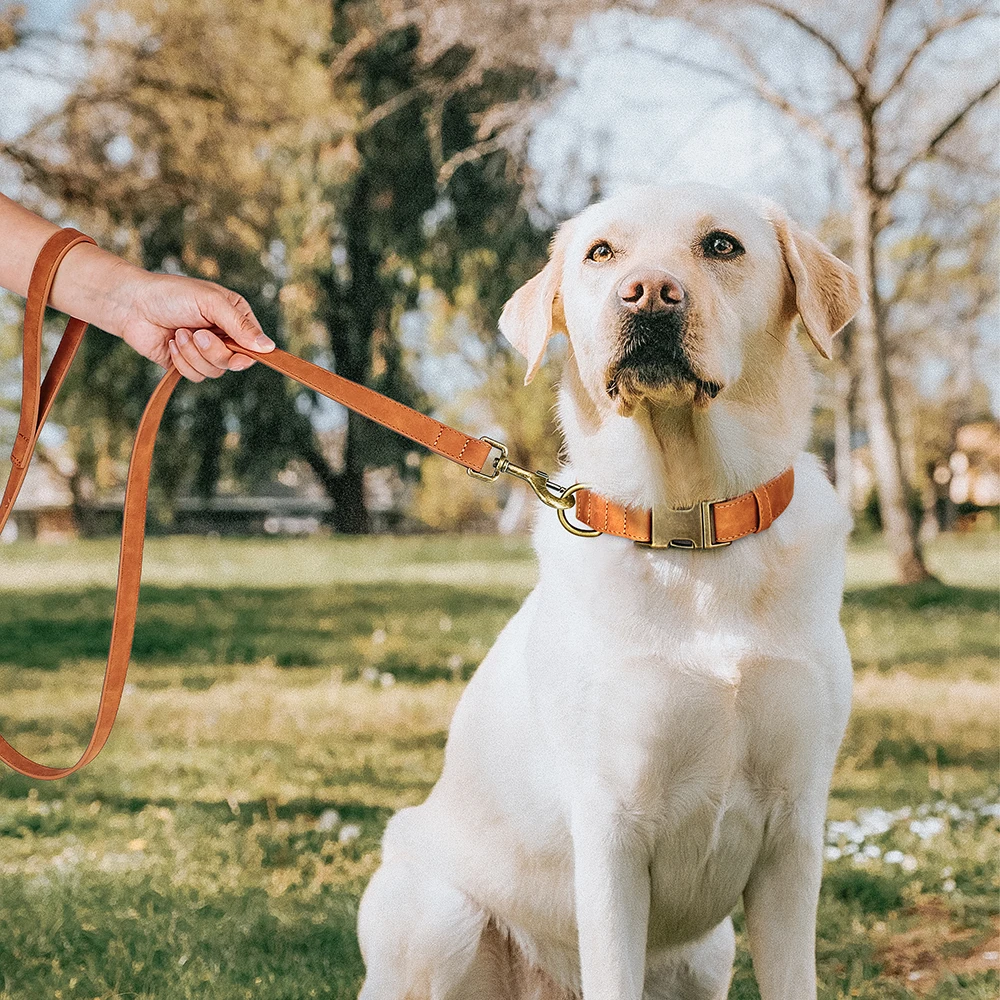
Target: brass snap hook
[{"x": 551, "y": 494}]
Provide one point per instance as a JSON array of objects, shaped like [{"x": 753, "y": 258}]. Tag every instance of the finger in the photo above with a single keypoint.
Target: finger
[
  {"x": 189, "y": 351},
  {"x": 213, "y": 350},
  {"x": 182, "y": 366},
  {"x": 231, "y": 312}
]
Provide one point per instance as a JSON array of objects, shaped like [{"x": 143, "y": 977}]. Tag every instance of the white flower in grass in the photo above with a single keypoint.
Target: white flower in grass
[
  {"x": 948, "y": 885},
  {"x": 378, "y": 637},
  {"x": 370, "y": 674},
  {"x": 927, "y": 828},
  {"x": 846, "y": 829},
  {"x": 387, "y": 680},
  {"x": 329, "y": 820},
  {"x": 990, "y": 811},
  {"x": 349, "y": 832},
  {"x": 872, "y": 851},
  {"x": 874, "y": 822},
  {"x": 850, "y": 847},
  {"x": 831, "y": 853},
  {"x": 909, "y": 863},
  {"x": 893, "y": 857}
]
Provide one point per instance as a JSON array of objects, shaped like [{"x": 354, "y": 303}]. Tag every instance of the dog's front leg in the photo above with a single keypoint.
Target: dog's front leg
[
  {"x": 611, "y": 880},
  {"x": 780, "y": 900}
]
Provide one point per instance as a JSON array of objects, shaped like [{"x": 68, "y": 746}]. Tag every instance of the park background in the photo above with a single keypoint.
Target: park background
[{"x": 376, "y": 178}]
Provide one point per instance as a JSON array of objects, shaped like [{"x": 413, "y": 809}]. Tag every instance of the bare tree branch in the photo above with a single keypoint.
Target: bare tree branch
[
  {"x": 469, "y": 155},
  {"x": 928, "y": 151},
  {"x": 390, "y": 107},
  {"x": 930, "y": 34},
  {"x": 813, "y": 32},
  {"x": 760, "y": 86},
  {"x": 874, "y": 40},
  {"x": 365, "y": 39}
]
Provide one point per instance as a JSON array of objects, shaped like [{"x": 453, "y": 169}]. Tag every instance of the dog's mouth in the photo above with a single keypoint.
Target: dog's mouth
[{"x": 652, "y": 360}]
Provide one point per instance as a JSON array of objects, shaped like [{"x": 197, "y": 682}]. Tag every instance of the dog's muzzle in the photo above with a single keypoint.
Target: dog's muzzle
[
  {"x": 652, "y": 310},
  {"x": 652, "y": 355}
]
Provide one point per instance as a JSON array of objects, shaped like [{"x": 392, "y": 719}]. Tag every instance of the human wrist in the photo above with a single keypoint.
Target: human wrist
[{"x": 96, "y": 287}]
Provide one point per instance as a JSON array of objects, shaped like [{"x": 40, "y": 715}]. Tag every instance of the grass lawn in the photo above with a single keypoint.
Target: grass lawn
[{"x": 287, "y": 696}]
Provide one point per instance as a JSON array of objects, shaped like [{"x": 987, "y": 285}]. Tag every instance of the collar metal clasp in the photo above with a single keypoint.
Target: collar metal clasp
[{"x": 684, "y": 528}]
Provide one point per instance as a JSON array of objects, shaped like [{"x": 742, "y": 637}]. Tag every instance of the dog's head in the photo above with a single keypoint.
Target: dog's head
[{"x": 671, "y": 294}]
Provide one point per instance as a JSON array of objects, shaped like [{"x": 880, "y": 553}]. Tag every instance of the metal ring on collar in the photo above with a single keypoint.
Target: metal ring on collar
[{"x": 565, "y": 521}]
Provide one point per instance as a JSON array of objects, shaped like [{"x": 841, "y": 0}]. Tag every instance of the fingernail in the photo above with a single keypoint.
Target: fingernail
[
  {"x": 202, "y": 338},
  {"x": 239, "y": 362},
  {"x": 182, "y": 337},
  {"x": 264, "y": 343}
]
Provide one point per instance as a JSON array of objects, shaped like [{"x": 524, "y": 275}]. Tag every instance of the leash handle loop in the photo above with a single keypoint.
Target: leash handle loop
[{"x": 36, "y": 402}]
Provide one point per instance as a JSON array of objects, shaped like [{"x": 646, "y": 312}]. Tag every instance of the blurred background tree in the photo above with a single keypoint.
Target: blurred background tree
[{"x": 321, "y": 165}]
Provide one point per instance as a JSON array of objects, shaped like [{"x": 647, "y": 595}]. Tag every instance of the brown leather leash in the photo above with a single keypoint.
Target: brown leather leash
[{"x": 705, "y": 525}]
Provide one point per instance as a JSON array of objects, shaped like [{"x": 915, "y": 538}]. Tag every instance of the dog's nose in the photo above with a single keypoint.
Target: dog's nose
[{"x": 651, "y": 291}]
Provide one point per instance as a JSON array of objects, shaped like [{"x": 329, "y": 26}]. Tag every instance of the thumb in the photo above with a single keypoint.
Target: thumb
[{"x": 231, "y": 313}]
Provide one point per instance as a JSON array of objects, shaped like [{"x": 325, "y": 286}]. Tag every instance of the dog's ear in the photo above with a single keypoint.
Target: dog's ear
[
  {"x": 827, "y": 294},
  {"x": 534, "y": 312}
]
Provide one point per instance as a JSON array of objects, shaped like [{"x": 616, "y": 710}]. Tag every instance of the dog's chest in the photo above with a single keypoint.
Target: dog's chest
[
  {"x": 694, "y": 721},
  {"x": 695, "y": 772}
]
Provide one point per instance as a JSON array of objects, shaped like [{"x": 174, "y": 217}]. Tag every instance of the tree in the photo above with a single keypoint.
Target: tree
[
  {"x": 435, "y": 193},
  {"x": 858, "y": 82},
  {"x": 10, "y": 17},
  {"x": 296, "y": 160},
  {"x": 158, "y": 151}
]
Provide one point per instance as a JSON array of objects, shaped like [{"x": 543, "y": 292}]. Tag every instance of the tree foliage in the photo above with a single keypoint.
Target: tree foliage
[{"x": 327, "y": 166}]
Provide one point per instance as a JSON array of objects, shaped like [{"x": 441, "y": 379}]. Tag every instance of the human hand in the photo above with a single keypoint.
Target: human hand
[{"x": 173, "y": 319}]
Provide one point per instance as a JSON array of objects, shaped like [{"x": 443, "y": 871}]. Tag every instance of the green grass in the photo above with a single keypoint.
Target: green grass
[{"x": 276, "y": 681}]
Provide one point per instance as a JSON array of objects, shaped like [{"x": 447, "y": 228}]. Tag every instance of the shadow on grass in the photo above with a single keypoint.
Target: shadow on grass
[
  {"x": 422, "y": 627},
  {"x": 931, "y": 629},
  {"x": 918, "y": 596}
]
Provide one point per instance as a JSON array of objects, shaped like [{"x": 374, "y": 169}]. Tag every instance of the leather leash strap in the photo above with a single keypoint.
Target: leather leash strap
[
  {"x": 36, "y": 401},
  {"x": 726, "y": 520}
]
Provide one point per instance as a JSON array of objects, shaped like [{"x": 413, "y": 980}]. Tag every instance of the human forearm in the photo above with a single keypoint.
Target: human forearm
[
  {"x": 167, "y": 318},
  {"x": 88, "y": 282}
]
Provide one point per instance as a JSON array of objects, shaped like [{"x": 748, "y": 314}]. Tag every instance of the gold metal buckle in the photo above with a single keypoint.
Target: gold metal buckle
[
  {"x": 551, "y": 494},
  {"x": 684, "y": 528}
]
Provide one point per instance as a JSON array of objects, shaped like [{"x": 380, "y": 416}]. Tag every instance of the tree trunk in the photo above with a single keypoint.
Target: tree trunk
[
  {"x": 875, "y": 387},
  {"x": 842, "y": 472}
]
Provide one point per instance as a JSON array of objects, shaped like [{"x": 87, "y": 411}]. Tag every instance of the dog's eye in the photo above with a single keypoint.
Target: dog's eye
[
  {"x": 600, "y": 252},
  {"x": 721, "y": 246}
]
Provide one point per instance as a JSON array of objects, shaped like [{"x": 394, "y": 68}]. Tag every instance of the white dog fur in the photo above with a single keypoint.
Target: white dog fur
[{"x": 653, "y": 734}]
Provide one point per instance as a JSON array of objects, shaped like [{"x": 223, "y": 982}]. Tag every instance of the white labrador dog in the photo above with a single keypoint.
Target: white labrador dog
[{"x": 653, "y": 734}]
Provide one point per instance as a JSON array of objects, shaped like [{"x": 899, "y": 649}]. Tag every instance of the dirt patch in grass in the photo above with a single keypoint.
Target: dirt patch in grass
[{"x": 934, "y": 947}]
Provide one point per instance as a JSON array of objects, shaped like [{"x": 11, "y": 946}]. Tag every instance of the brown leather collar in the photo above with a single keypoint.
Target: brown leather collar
[{"x": 705, "y": 525}]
